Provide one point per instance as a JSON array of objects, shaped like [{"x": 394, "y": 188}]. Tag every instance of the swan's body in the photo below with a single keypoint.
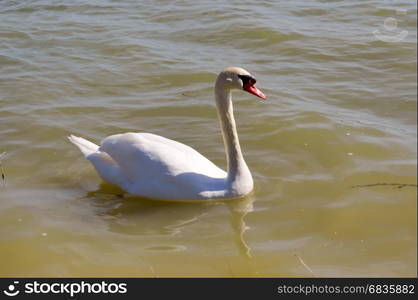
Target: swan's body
[{"x": 156, "y": 167}]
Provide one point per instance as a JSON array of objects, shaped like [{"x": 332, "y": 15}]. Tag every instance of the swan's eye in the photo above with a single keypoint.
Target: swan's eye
[{"x": 247, "y": 80}]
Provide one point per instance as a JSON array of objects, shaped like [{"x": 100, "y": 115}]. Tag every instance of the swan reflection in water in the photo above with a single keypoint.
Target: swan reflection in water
[{"x": 135, "y": 215}]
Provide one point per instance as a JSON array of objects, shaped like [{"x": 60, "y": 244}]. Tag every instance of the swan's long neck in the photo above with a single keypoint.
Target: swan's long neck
[{"x": 239, "y": 175}]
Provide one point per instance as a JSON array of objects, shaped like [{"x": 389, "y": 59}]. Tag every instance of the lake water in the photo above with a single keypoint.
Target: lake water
[{"x": 338, "y": 129}]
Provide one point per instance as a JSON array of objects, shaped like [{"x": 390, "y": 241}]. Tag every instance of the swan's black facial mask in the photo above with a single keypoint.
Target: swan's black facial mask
[{"x": 248, "y": 83}]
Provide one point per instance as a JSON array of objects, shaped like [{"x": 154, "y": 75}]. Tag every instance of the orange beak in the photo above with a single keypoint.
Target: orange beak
[{"x": 252, "y": 89}]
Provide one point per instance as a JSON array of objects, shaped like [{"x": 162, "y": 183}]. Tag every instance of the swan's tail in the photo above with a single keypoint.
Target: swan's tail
[{"x": 84, "y": 145}]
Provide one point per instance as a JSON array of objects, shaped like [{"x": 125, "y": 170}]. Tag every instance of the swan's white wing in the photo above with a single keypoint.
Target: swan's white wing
[
  {"x": 139, "y": 152},
  {"x": 154, "y": 164}
]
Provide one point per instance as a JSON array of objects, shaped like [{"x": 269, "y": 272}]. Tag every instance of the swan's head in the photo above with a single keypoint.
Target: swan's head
[{"x": 238, "y": 78}]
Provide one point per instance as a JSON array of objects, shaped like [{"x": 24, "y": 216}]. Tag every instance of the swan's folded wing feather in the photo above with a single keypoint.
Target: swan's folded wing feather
[{"x": 144, "y": 155}]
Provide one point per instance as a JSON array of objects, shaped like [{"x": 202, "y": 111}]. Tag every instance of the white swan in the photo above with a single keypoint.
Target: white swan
[{"x": 156, "y": 167}]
